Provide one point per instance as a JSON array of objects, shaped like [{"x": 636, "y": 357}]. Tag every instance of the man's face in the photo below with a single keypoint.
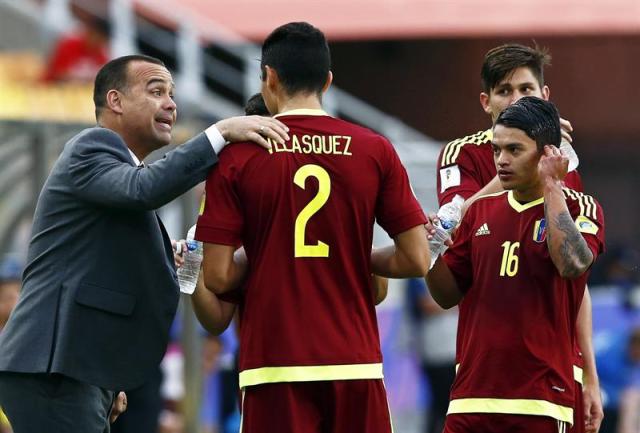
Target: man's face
[
  {"x": 516, "y": 157},
  {"x": 148, "y": 109},
  {"x": 521, "y": 82}
]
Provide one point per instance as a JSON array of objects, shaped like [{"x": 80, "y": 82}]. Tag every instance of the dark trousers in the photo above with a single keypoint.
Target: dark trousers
[
  {"x": 440, "y": 380},
  {"x": 53, "y": 403},
  {"x": 143, "y": 408}
]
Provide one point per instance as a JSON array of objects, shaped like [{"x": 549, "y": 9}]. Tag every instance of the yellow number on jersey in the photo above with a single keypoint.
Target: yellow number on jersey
[
  {"x": 324, "y": 189},
  {"x": 509, "y": 265}
]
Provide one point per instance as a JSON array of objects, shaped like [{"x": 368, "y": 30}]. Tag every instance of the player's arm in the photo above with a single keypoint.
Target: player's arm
[
  {"x": 492, "y": 187},
  {"x": 567, "y": 247},
  {"x": 213, "y": 313},
  {"x": 443, "y": 286},
  {"x": 593, "y": 411},
  {"x": 408, "y": 257},
  {"x": 379, "y": 287},
  {"x": 224, "y": 267}
]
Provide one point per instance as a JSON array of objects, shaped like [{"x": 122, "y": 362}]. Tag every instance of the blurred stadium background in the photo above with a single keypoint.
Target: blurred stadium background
[{"x": 406, "y": 68}]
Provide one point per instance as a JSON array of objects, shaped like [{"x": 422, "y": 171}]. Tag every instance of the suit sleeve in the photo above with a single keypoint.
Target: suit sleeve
[{"x": 101, "y": 172}]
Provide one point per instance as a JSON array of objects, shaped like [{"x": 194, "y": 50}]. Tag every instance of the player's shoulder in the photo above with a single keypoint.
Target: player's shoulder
[
  {"x": 452, "y": 150},
  {"x": 354, "y": 130},
  {"x": 584, "y": 205},
  {"x": 488, "y": 200}
]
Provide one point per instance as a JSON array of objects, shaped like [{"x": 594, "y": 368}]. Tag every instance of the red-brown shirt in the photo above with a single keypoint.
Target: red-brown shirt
[
  {"x": 518, "y": 316},
  {"x": 305, "y": 214},
  {"x": 466, "y": 165}
]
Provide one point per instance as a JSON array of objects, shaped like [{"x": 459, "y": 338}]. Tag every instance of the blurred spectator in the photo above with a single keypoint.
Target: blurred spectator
[
  {"x": 78, "y": 55},
  {"x": 436, "y": 332},
  {"x": 619, "y": 368}
]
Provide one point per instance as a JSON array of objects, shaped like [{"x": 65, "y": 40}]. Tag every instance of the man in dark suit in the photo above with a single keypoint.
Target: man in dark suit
[{"x": 100, "y": 287}]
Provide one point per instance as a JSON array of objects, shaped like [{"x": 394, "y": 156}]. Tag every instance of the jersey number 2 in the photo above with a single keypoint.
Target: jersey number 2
[
  {"x": 324, "y": 189},
  {"x": 509, "y": 266}
]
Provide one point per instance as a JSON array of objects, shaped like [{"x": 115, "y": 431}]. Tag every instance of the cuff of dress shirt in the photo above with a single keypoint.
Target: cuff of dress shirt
[{"x": 215, "y": 138}]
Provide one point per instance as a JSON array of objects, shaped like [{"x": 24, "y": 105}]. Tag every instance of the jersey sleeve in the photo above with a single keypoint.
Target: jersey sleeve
[
  {"x": 458, "y": 256},
  {"x": 456, "y": 175},
  {"x": 397, "y": 208},
  {"x": 589, "y": 219},
  {"x": 222, "y": 219}
]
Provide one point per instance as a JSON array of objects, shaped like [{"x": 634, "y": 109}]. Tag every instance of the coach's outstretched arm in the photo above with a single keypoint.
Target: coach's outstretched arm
[{"x": 567, "y": 247}]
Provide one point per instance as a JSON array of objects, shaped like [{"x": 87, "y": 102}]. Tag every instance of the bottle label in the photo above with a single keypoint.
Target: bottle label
[
  {"x": 192, "y": 245},
  {"x": 447, "y": 225}
]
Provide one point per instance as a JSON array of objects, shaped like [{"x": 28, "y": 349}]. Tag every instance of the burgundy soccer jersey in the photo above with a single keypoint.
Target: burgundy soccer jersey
[
  {"x": 305, "y": 214},
  {"x": 518, "y": 316},
  {"x": 466, "y": 165}
]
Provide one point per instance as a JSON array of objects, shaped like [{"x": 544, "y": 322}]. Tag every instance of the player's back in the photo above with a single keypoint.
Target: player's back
[{"x": 308, "y": 209}]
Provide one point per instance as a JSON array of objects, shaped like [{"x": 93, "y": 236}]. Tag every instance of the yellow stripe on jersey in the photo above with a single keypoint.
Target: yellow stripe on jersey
[
  {"x": 312, "y": 373},
  {"x": 521, "y": 207},
  {"x": 4, "y": 422},
  {"x": 511, "y": 407},
  {"x": 577, "y": 374},
  {"x": 453, "y": 148},
  {"x": 587, "y": 204}
]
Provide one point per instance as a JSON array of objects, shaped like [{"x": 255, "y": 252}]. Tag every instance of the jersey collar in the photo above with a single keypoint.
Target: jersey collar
[
  {"x": 519, "y": 207},
  {"x": 303, "y": 112}
]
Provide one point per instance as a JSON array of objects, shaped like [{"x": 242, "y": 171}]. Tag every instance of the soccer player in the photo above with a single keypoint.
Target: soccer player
[
  {"x": 517, "y": 270},
  {"x": 310, "y": 357},
  {"x": 466, "y": 167}
]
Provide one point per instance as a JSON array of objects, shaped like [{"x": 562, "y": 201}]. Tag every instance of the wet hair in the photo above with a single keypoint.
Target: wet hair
[
  {"x": 501, "y": 61},
  {"x": 255, "y": 106},
  {"x": 537, "y": 118},
  {"x": 299, "y": 53},
  {"x": 113, "y": 75}
]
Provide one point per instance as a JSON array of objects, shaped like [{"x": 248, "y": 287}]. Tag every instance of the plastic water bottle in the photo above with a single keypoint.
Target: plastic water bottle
[
  {"x": 449, "y": 216},
  {"x": 188, "y": 273},
  {"x": 567, "y": 150}
]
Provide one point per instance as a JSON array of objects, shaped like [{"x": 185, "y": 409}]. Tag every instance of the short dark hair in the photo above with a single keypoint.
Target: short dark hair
[
  {"x": 537, "y": 118},
  {"x": 255, "y": 106},
  {"x": 501, "y": 61},
  {"x": 299, "y": 53},
  {"x": 113, "y": 75}
]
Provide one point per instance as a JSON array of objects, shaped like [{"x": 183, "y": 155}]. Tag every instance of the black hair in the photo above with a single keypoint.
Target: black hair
[
  {"x": 537, "y": 118},
  {"x": 501, "y": 61},
  {"x": 113, "y": 75},
  {"x": 299, "y": 53},
  {"x": 255, "y": 106}
]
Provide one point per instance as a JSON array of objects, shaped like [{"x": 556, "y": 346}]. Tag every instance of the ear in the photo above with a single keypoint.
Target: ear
[
  {"x": 484, "y": 101},
  {"x": 114, "y": 101},
  {"x": 327, "y": 83},
  {"x": 272, "y": 80},
  {"x": 546, "y": 93}
]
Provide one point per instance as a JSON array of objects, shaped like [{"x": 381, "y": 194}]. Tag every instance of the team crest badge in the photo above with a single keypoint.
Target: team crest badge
[{"x": 540, "y": 231}]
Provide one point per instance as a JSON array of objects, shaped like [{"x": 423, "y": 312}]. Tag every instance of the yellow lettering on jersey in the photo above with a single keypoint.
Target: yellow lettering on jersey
[
  {"x": 295, "y": 145},
  {"x": 346, "y": 145},
  {"x": 318, "y": 144},
  {"x": 270, "y": 141},
  {"x": 306, "y": 140}
]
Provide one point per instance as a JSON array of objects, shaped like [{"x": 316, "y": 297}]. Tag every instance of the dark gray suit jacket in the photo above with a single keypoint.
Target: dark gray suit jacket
[{"x": 100, "y": 289}]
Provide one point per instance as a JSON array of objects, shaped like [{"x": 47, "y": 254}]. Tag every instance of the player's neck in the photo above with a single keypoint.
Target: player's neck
[
  {"x": 527, "y": 195},
  {"x": 299, "y": 102}
]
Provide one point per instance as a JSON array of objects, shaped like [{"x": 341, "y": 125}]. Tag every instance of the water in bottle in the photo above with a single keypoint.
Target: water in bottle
[
  {"x": 567, "y": 149},
  {"x": 449, "y": 216},
  {"x": 188, "y": 273}
]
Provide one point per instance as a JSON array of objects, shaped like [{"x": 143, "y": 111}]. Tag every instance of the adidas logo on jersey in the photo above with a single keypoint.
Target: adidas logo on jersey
[{"x": 483, "y": 230}]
